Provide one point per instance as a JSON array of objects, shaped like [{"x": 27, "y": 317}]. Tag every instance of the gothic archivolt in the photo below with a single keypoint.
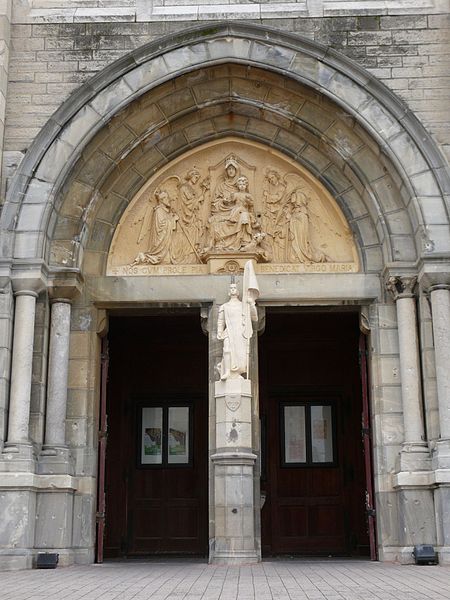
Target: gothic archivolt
[{"x": 228, "y": 201}]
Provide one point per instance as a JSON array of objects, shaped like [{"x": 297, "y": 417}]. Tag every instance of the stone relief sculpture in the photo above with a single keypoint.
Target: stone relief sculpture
[
  {"x": 161, "y": 222},
  {"x": 235, "y": 326},
  {"x": 228, "y": 204}
]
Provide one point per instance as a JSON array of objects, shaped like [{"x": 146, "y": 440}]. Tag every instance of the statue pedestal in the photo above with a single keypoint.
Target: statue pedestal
[
  {"x": 234, "y": 463},
  {"x": 229, "y": 263}
]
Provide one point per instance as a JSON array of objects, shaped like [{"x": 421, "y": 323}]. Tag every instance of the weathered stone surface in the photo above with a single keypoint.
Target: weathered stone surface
[{"x": 365, "y": 146}]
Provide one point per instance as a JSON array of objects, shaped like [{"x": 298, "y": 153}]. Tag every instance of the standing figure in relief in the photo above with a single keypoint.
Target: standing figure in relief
[
  {"x": 190, "y": 230},
  {"x": 235, "y": 326},
  {"x": 163, "y": 223},
  {"x": 302, "y": 248},
  {"x": 273, "y": 194}
]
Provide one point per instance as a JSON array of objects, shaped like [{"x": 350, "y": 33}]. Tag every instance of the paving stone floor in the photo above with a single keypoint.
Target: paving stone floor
[{"x": 194, "y": 580}]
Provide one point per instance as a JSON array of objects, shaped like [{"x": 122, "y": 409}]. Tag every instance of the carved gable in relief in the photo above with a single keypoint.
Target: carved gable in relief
[{"x": 219, "y": 205}]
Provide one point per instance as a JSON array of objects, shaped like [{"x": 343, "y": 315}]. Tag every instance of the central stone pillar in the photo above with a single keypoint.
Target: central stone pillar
[{"x": 234, "y": 464}]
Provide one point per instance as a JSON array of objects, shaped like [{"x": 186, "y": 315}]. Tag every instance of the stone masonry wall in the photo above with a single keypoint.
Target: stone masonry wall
[{"x": 54, "y": 51}]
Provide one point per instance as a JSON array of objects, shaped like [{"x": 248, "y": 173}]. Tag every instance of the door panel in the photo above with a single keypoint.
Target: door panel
[
  {"x": 312, "y": 508},
  {"x": 156, "y": 361}
]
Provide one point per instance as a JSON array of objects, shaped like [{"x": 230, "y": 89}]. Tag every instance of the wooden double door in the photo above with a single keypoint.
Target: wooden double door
[
  {"x": 156, "y": 452},
  {"x": 313, "y": 468}
]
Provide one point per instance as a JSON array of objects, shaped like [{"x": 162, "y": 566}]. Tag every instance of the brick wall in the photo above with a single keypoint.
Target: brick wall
[{"x": 410, "y": 53}]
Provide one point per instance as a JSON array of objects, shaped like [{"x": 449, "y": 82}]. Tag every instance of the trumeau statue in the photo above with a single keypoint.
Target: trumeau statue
[
  {"x": 224, "y": 202},
  {"x": 235, "y": 326}
]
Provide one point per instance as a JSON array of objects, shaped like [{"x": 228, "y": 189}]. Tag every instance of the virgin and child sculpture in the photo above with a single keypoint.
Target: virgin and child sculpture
[{"x": 232, "y": 225}]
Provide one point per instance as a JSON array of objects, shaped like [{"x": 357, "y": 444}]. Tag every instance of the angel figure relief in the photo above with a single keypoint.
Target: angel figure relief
[
  {"x": 295, "y": 220},
  {"x": 174, "y": 225},
  {"x": 274, "y": 190}
]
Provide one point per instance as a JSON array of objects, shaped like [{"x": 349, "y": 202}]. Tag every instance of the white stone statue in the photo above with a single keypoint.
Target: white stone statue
[{"x": 235, "y": 326}]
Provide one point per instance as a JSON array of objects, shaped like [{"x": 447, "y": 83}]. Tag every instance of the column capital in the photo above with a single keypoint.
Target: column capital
[
  {"x": 28, "y": 286},
  {"x": 401, "y": 286},
  {"x": 434, "y": 273},
  {"x": 64, "y": 286},
  {"x": 438, "y": 286},
  {"x": 29, "y": 277}
]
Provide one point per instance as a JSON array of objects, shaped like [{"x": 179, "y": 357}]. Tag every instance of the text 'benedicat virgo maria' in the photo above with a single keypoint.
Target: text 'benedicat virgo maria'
[{"x": 215, "y": 207}]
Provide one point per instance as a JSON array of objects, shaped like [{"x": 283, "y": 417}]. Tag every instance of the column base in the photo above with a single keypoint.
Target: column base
[
  {"x": 235, "y": 558},
  {"x": 441, "y": 455},
  {"x": 18, "y": 457},
  {"x": 414, "y": 457},
  {"x": 55, "y": 460}
]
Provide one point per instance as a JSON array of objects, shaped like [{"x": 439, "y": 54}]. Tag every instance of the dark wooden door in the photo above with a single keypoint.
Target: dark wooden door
[
  {"x": 313, "y": 467},
  {"x": 156, "y": 494}
]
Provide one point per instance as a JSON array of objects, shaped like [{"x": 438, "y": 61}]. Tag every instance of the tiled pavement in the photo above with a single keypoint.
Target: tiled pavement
[{"x": 192, "y": 580}]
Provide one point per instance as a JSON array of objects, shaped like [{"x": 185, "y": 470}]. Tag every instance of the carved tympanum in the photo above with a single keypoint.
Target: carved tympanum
[{"x": 231, "y": 199}]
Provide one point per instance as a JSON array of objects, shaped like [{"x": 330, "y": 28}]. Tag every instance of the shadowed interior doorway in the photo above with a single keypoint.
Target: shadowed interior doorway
[
  {"x": 313, "y": 471},
  {"x": 157, "y": 448}
]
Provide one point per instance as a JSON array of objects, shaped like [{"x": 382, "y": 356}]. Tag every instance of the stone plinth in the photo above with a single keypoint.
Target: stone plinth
[
  {"x": 229, "y": 263},
  {"x": 233, "y": 415},
  {"x": 234, "y": 463}
]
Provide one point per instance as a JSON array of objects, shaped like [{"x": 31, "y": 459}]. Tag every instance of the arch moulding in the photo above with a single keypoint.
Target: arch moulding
[{"x": 417, "y": 164}]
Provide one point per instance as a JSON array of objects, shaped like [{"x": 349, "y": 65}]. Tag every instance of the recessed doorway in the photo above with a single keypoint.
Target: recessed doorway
[
  {"x": 313, "y": 469},
  {"x": 157, "y": 449}
]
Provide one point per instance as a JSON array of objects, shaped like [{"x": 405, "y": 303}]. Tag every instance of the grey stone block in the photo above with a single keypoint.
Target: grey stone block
[
  {"x": 53, "y": 520},
  {"x": 416, "y": 517},
  {"x": 17, "y": 524}
]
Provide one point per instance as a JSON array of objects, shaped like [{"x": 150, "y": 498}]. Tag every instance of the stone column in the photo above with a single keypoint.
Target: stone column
[
  {"x": 55, "y": 454},
  {"x": 440, "y": 312},
  {"x": 18, "y": 442},
  {"x": 440, "y": 308},
  {"x": 414, "y": 455}
]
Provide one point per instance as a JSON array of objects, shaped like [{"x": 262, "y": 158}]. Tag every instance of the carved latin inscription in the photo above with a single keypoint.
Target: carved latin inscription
[{"x": 226, "y": 202}]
